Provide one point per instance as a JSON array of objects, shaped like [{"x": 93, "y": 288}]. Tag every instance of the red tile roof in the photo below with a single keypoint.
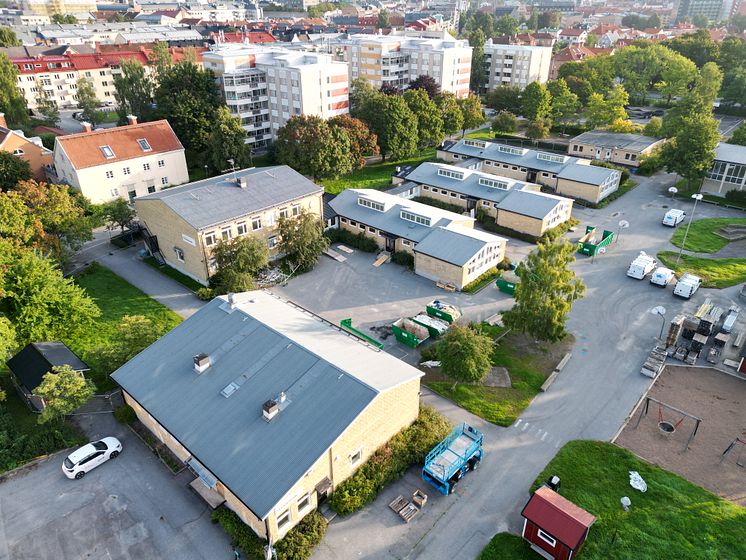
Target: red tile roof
[
  {"x": 558, "y": 516},
  {"x": 60, "y": 63},
  {"x": 84, "y": 149},
  {"x": 572, "y": 32}
]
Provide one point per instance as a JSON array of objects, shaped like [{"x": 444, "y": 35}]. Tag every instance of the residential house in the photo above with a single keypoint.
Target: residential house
[
  {"x": 121, "y": 162},
  {"x": 573, "y": 36},
  {"x": 622, "y": 149},
  {"x": 31, "y": 150},
  {"x": 516, "y": 65},
  {"x": 445, "y": 245},
  {"x": 269, "y": 406},
  {"x": 513, "y": 204},
  {"x": 728, "y": 172},
  {"x": 187, "y": 222},
  {"x": 29, "y": 365},
  {"x": 565, "y": 175},
  {"x": 574, "y": 53}
]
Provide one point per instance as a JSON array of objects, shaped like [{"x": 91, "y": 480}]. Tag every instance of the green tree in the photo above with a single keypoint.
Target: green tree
[
  {"x": 504, "y": 98},
  {"x": 46, "y": 106},
  {"x": 734, "y": 86},
  {"x": 363, "y": 142},
  {"x": 160, "y": 58},
  {"x": 699, "y": 47},
  {"x": 591, "y": 40},
  {"x": 8, "y": 37},
  {"x": 624, "y": 126},
  {"x": 453, "y": 118},
  {"x": 654, "y": 128},
  {"x": 536, "y": 101},
  {"x": 42, "y": 304},
  {"x": 188, "y": 97},
  {"x": 465, "y": 354},
  {"x": 701, "y": 21},
  {"x": 361, "y": 96},
  {"x": 565, "y": 104},
  {"x": 739, "y": 136},
  {"x": 246, "y": 254},
  {"x": 505, "y": 122},
  {"x": 506, "y": 25},
  {"x": 594, "y": 74},
  {"x": 478, "y": 77},
  {"x": 546, "y": 292},
  {"x": 471, "y": 109},
  {"x": 737, "y": 23},
  {"x": 18, "y": 228},
  {"x": 484, "y": 22},
  {"x": 134, "y": 333},
  {"x": 119, "y": 212},
  {"x": 602, "y": 111},
  {"x": 134, "y": 91},
  {"x": 63, "y": 390},
  {"x": 12, "y": 170},
  {"x": 227, "y": 142},
  {"x": 690, "y": 104},
  {"x": 88, "y": 102},
  {"x": 383, "y": 19},
  {"x": 7, "y": 340},
  {"x": 676, "y": 74},
  {"x": 549, "y": 19},
  {"x": 691, "y": 151},
  {"x": 68, "y": 19},
  {"x": 302, "y": 239},
  {"x": 429, "y": 122},
  {"x": 538, "y": 128},
  {"x": 395, "y": 125},
  {"x": 310, "y": 146},
  {"x": 12, "y": 102}
]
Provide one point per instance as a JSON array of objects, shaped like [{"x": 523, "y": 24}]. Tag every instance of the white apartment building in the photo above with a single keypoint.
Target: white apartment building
[
  {"x": 516, "y": 65},
  {"x": 12, "y": 18},
  {"x": 264, "y": 86},
  {"x": 50, "y": 7},
  {"x": 399, "y": 59},
  {"x": 121, "y": 162}
]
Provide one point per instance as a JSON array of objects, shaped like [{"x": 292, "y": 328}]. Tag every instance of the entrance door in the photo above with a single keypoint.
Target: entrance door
[
  {"x": 471, "y": 204},
  {"x": 531, "y": 177},
  {"x": 390, "y": 244}
]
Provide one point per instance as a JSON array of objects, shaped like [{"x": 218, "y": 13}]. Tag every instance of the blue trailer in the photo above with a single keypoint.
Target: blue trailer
[{"x": 452, "y": 458}]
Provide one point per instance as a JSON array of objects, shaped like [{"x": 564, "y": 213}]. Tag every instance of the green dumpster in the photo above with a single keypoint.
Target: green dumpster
[
  {"x": 442, "y": 310},
  {"x": 435, "y": 327},
  {"x": 507, "y": 282},
  {"x": 409, "y": 333},
  {"x": 590, "y": 245},
  {"x": 346, "y": 325}
]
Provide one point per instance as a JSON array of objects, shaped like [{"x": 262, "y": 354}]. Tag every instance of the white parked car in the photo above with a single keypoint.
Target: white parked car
[
  {"x": 662, "y": 276},
  {"x": 673, "y": 217},
  {"x": 90, "y": 456},
  {"x": 687, "y": 285}
]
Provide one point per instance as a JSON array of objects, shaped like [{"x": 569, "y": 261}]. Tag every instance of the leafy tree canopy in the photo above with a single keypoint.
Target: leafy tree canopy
[
  {"x": 310, "y": 146},
  {"x": 12, "y": 170},
  {"x": 63, "y": 390},
  {"x": 302, "y": 239},
  {"x": 465, "y": 354}
]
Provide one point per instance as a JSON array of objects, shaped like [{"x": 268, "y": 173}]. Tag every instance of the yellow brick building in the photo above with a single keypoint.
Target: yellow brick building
[{"x": 277, "y": 408}]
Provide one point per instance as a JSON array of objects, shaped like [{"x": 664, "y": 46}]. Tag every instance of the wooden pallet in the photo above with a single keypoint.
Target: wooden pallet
[
  {"x": 398, "y": 504},
  {"x": 447, "y": 286},
  {"x": 409, "y": 512}
]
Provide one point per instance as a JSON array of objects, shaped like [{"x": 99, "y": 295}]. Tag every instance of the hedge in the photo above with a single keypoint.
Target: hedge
[
  {"x": 404, "y": 259},
  {"x": 440, "y": 204},
  {"x": 488, "y": 223},
  {"x": 390, "y": 462},
  {"x": 359, "y": 241},
  {"x": 482, "y": 280},
  {"x": 297, "y": 544},
  {"x": 125, "y": 414}
]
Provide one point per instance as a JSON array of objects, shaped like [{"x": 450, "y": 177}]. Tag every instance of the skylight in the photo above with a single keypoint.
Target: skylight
[
  {"x": 551, "y": 157},
  {"x": 107, "y": 151},
  {"x": 494, "y": 183},
  {"x": 144, "y": 145},
  {"x": 450, "y": 173}
]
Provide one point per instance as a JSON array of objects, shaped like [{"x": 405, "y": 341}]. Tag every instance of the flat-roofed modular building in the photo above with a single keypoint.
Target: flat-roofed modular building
[
  {"x": 620, "y": 149},
  {"x": 728, "y": 172}
]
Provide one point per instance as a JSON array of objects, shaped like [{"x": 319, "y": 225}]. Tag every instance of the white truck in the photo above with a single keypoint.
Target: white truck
[
  {"x": 641, "y": 266},
  {"x": 661, "y": 276},
  {"x": 673, "y": 217},
  {"x": 687, "y": 285}
]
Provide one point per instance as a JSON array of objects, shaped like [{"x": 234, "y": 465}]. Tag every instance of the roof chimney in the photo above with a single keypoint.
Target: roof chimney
[
  {"x": 232, "y": 303},
  {"x": 131, "y": 119},
  {"x": 3, "y": 122},
  {"x": 270, "y": 409},
  {"x": 86, "y": 126},
  {"x": 243, "y": 182},
  {"x": 201, "y": 362}
]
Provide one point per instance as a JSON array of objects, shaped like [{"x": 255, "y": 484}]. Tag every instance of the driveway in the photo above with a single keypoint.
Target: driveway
[{"x": 129, "y": 508}]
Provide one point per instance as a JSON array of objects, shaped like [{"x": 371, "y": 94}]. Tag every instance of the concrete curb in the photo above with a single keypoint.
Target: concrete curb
[{"x": 560, "y": 366}]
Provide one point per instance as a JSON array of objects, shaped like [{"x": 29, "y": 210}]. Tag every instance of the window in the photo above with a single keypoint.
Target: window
[
  {"x": 164, "y": 180},
  {"x": 126, "y": 170},
  {"x": 283, "y": 520},
  {"x": 151, "y": 189},
  {"x": 144, "y": 145},
  {"x": 179, "y": 254},
  {"x": 547, "y": 538},
  {"x": 132, "y": 195},
  {"x": 114, "y": 192},
  {"x": 272, "y": 242},
  {"x": 375, "y": 205},
  {"x": 256, "y": 223},
  {"x": 225, "y": 233},
  {"x": 405, "y": 243},
  {"x": 209, "y": 238},
  {"x": 451, "y": 174},
  {"x": 454, "y": 195},
  {"x": 304, "y": 502},
  {"x": 425, "y": 188},
  {"x": 296, "y": 210},
  {"x": 241, "y": 228},
  {"x": 18, "y": 152},
  {"x": 107, "y": 151},
  {"x": 412, "y": 217},
  {"x": 161, "y": 163},
  {"x": 371, "y": 229},
  {"x": 356, "y": 456},
  {"x": 146, "y": 167}
]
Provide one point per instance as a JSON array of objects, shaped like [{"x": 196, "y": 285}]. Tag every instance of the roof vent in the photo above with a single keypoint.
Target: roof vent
[
  {"x": 201, "y": 362},
  {"x": 243, "y": 182},
  {"x": 232, "y": 302},
  {"x": 270, "y": 409}
]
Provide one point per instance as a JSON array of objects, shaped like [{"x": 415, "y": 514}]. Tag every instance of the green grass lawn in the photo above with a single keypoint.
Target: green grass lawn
[
  {"x": 116, "y": 298},
  {"x": 673, "y": 519},
  {"x": 715, "y": 273},
  {"x": 174, "y": 274},
  {"x": 499, "y": 405},
  {"x": 485, "y": 133},
  {"x": 702, "y": 237},
  {"x": 506, "y": 546},
  {"x": 109, "y": 116},
  {"x": 374, "y": 176}
]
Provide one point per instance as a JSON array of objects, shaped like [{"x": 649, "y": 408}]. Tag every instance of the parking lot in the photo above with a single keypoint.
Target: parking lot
[{"x": 129, "y": 508}]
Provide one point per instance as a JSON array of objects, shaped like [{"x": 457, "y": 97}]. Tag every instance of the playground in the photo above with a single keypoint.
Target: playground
[{"x": 693, "y": 423}]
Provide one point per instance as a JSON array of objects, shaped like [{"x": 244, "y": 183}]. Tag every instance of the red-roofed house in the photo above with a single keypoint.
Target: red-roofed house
[
  {"x": 573, "y": 53},
  {"x": 28, "y": 149},
  {"x": 573, "y": 36},
  {"x": 555, "y": 527},
  {"x": 121, "y": 162}
]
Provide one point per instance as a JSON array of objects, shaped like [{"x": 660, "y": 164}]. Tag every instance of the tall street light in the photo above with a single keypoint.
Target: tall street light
[
  {"x": 623, "y": 224},
  {"x": 660, "y": 310},
  {"x": 697, "y": 197},
  {"x": 673, "y": 191}
]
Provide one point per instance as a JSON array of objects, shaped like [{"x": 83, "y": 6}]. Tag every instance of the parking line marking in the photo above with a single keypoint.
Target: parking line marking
[{"x": 518, "y": 422}]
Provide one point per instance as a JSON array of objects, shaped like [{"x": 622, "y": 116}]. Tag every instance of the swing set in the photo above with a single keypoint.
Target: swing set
[
  {"x": 739, "y": 444},
  {"x": 669, "y": 426}
]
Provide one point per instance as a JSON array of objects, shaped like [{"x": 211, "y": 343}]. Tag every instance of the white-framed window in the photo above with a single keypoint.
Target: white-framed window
[
  {"x": 126, "y": 170},
  {"x": 179, "y": 254},
  {"x": 296, "y": 209},
  {"x": 146, "y": 167},
  {"x": 114, "y": 192},
  {"x": 272, "y": 242},
  {"x": 164, "y": 180},
  {"x": 241, "y": 228},
  {"x": 304, "y": 502},
  {"x": 225, "y": 233},
  {"x": 371, "y": 229},
  {"x": 161, "y": 163},
  {"x": 256, "y": 223},
  {"x": 283, "y": 520},
  {"x": 547, "y": 538},
  {"x": 425, "y": 188},
  {"x": 107, "y": 151},
  {"x": 18, "y": 152},
  {"x": 283, "y": 212},
  {"x": 269, "y": 219},
  {"x": 356, "y": 456},
  {"x": 144, "y": 144},
  {"x": 209, "y": 238},
  {"x": 405, "y": 243}
]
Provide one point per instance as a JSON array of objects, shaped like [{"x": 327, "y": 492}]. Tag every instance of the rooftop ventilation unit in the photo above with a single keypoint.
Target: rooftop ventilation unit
[
  {"x": 243, "y": 182},
  {"x": 270, "y": 409},
  {"x": 201, "y": 362}
]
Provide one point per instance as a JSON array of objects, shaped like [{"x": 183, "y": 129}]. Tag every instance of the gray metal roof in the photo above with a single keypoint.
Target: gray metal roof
[
  {"x": 589, "y": 174},
  {"x": 390, "y": 221},
  {"x": 533, "y": 204},
  {"x": 527, "y": 158},
  {"x": 730, "y": 153},
  {"x": 219, "y": 199},
  {"x": 605, "y": 139},
  {"x": 455, "y": 244}
]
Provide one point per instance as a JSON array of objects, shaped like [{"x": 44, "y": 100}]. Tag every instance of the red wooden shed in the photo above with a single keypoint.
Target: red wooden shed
[{"x": 555, "y": 527}]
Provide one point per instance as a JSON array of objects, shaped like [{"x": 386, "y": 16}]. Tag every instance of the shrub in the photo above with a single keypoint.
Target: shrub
[
  {"x": 650, "y": 164},
  {"x": 242, "y": 536},
  {"x": 205, "y": 294},
  {"x": 736, "y": 196},
  {"x": 481, "y": 281},
  {"x": 440, "y": 204},
  {"x": 358, "y": 241},
  {"x": 429, "y": 353},
  {"x": 390, "y": 462},
  {"x": 125, "y": 414},
  {"x": 559, "y": 230},
  {"x": 404, "y": 259}
]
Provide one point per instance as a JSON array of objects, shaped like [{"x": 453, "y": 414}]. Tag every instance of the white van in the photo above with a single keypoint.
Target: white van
[
  {"x": 687, "y": 285},
  {"x": 661, "y": 276},
  {"x": 673, "y": 217},
  {"x": 641, "y": 266}
]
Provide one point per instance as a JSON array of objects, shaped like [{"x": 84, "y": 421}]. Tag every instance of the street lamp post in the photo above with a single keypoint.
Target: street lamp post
[
  {"x": 623, "y": 224},
  {"x": 673, "y": 191},
  {"x": 697, "y": 197},
  {"x": 660, "y": 310}
]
